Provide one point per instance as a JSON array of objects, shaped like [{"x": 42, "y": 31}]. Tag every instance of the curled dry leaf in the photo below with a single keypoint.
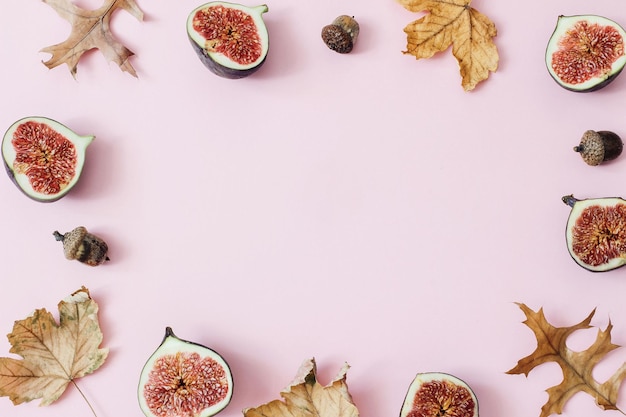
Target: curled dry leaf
[
  {"x": 53, "y": 354},
  {"x": 305, "y": 397},
  {"x": 454, "y": 22},
  {"x": 91, "y": 30},
  {"x": 577, "y": 367}
]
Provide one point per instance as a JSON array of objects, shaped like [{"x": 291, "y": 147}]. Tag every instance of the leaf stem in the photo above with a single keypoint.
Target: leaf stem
[{"x": 85, "y": 398}]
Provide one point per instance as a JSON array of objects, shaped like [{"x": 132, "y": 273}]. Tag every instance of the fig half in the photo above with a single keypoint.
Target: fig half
[
  {"x": 596, "y": 232},
  {"x": 43, "y": 158},
  {"x": 230, "y": 39},
  {"x": 585, "y": 52},
  {"x": 184, "y": 379},
  {"x": 437, "y": 394}
]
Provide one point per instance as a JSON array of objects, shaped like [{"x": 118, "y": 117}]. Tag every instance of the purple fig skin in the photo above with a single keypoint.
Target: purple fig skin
[
  {"x": 220, "y": 70},
  {"x": 11, "y": 175},
  {"x": 596, "y": 87},
  {"x": 569, "y": 200}
]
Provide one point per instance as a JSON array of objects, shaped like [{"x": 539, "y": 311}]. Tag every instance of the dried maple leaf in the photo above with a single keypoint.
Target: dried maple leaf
[
  {"x": 305, "y": 397},
  {"x": 454, "y": 22},
  {"x": 53, "y": 354},
  {"x": 90, "y": 30},
  {"x": 577, "y": 367}
]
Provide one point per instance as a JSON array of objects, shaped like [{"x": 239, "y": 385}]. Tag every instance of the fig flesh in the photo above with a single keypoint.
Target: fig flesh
[
  {"x": 585, "y": 52},
  {"x": 230, "y": 39},
  {"x": 184, "y": 379},
  {"x": 596, "y": 232},
  {"x": 437, "y": 394},
  {"x": 43, "y": 158}
]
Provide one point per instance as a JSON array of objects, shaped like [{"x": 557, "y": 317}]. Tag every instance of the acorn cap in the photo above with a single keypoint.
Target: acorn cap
[
  {"x": 71, "y": 241},
  {"x": 591, "y": 148},
  {"x": 597, "y": 147}
]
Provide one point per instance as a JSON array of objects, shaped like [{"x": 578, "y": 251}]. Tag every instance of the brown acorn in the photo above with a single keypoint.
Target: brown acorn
[
  {"x": 598, "y": 147},
  {"x": 83, "y": 246},
  {"x": 341, "y": 34}
]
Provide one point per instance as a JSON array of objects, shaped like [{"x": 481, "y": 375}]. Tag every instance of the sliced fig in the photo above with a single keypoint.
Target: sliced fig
[
  {"x": 43, "y": 157},
  {"x": 585, "y": 52},
  {"x": 184, "y": 379},
  {"x": 596, "y": 232},
  {"x": 230, "y": 39},
  {"x": 438, "y": 394}
]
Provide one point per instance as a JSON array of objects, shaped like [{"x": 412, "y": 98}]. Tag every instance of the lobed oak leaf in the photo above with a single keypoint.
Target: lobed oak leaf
[
  {"x": 305, "y": 397},
  {"x": 577, "y": 367},
  {"x": 91, "y": 30},
  {"x": 53, "y": 354},
  {"x": 456, "y": 23}
]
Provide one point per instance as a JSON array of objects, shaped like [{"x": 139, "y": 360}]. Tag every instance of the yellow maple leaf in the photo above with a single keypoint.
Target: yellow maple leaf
[
  {"x": 53, "y": 354},
  {"x": 91, "y": 30},
  {"x": 305, "y": 397},
  {"x": 454, "y": 22},
  {"x": 577, "y": 367}
]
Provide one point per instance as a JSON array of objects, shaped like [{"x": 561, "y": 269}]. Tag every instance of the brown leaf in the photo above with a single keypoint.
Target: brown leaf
[
  {"x": 53, "y": 354},
  {"x": 577, "y": 367},
  {"x": 305, "y": 397},
  {"x": 454, "y": 22},
  {"x": 90, "y": 30}
]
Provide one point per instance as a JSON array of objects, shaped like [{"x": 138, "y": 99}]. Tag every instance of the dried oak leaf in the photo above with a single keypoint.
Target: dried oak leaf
[
  {"x": 454, "y": 22},
  {"x": 53, "y": 354},
  {"x": 305, "y": 397},
  {"x": 91, "y": 30},
  {"x": 577, "y": 367}
]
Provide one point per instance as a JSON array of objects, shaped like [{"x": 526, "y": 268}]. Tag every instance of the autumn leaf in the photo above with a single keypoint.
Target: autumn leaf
[
  {"x": 53, "y": 354},
  {"x": 454, "y": 22},
  {"x": 91, "y": 30},
  {"x": 577, "y": 367},
  {"x": 305, "y": 397}
]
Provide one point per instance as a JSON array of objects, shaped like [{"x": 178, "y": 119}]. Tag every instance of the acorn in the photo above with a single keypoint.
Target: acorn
[
  {"x": 341, "y": 34},
  {"x": 598, "y": 147},
  {"x": 83, "y": 246}
]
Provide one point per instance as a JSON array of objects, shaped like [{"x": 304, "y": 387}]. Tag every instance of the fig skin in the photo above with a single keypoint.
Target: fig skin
[
  {"x": 211, "y": 63},
  {"x": 20, "y": 181},
  {"x": 221, "y": 70}
]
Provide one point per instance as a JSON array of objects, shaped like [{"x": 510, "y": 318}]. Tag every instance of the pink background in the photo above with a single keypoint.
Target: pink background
[{"x": 355, "y": 208}]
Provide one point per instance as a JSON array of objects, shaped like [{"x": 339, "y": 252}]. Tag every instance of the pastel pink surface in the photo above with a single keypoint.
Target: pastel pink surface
[{"x": 356, "y": 208}]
